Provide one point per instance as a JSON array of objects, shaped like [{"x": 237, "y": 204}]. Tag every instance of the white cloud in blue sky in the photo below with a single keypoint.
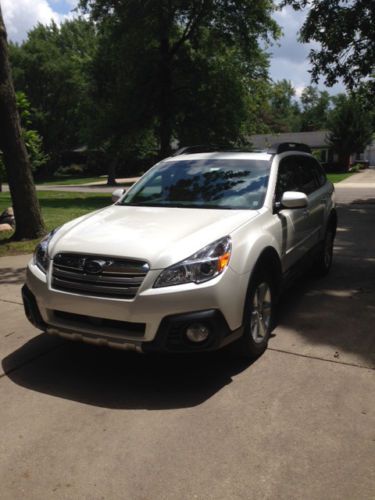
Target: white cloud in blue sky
[{"x": 289, "y": 57}]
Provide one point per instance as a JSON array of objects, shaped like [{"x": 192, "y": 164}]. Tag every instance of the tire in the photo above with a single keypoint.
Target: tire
[
  {"x": 258, "y": 317},
  {"x": 324, "y": 260}
]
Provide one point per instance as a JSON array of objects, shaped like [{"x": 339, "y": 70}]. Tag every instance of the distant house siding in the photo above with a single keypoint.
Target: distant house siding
[{"x": 317, "y": 140}]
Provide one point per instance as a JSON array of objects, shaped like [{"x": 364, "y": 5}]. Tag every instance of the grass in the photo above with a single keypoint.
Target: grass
[
  {"x": 57, "y": 207},
  {"x": 66, "y": 181},
  {"x": 339, "y": 177}
]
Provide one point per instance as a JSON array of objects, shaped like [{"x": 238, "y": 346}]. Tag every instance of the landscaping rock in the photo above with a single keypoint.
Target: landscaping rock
[
  {"x": 7, "y": 217},
  {"x": 5, "y": 227}
]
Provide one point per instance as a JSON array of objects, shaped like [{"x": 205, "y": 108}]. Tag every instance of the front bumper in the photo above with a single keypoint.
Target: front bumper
[
  {"x": 155, "y": 320},
  {"x": 170, "y": 336}
]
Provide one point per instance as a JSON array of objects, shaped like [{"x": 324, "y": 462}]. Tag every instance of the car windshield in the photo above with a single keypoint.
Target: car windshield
[{"x": 208, "y": 183}]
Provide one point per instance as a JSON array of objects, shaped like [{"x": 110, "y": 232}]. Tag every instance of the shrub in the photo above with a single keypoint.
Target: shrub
[{"x": 71, "y": 170}]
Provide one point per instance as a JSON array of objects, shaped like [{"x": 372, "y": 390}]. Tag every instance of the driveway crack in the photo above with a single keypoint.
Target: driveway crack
[{"x": 320, "y": 359}]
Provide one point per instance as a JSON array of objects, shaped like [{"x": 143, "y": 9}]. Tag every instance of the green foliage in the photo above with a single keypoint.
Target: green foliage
[
  {"x": 33, "y": 141},
  {"x": 71, "y": 170},
  {"x": 315, "y": 109},
  {"x": 282, "y": 113},
  {"x": 194, "y": 67},
  {"x": 350, "y": 125},
  {"x": 50, "y": 67},
  {"x": 345, "y": 33}
]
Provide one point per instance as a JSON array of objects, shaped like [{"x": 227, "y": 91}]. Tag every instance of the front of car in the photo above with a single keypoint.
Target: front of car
[{"x": 153, "y": 271}]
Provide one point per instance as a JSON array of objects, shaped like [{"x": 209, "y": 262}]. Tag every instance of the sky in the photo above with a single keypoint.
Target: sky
[{"x": 289, "y": 58}]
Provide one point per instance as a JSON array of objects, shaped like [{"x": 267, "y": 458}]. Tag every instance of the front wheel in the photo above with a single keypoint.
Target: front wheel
[
  {"x": 258, "y": 317},
  {"x": 324, "y": 260}
]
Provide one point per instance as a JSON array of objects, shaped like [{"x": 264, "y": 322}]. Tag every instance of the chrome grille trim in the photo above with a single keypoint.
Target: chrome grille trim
[{"x": 116, "y": 278}]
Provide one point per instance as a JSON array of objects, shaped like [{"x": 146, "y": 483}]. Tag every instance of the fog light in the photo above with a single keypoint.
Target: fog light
[{"x": 197, "y": 332}]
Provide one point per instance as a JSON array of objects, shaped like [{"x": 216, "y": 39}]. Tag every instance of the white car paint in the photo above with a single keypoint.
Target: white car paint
[{"x": 164, "y": 236}]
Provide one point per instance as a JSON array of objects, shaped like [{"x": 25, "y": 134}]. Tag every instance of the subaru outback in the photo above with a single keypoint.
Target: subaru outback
[{"x": 192, "y": 257}]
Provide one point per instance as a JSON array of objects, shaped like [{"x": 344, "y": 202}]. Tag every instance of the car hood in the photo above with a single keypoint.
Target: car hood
[{"x": 159, "y": 235}]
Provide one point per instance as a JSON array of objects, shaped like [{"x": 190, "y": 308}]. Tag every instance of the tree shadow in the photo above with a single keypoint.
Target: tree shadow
[
  {"x": 12, "y": 276},
  {"x": 363, "y": 201},
  {"x": 90, "y": 203},
  {"x": 110, "y": 378},
  {"x": 339, "y": 310}
]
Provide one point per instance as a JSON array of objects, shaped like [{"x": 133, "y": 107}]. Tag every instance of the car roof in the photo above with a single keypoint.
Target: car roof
[{"x": 222, "y": 155}]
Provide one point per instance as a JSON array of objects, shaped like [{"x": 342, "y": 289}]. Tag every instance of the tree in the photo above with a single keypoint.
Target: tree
[
  {"x": 51, "y": 68},
  {"x": 151, "y": 40},
  {"x": 350, "y": 126},
  {"x": 29, "y": 222},
  {"x": 345, "y": 32},
  {"x": 283, "y": 113},
  {"x": 315, "y": 108},
  {"x": 32, "y": 139}
]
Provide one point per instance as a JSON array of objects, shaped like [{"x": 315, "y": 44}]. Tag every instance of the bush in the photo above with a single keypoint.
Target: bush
[
  {"x": 354, "y": 168},
  {"x": 71, "y": 171},
  {"x": 361, "y": 164}
]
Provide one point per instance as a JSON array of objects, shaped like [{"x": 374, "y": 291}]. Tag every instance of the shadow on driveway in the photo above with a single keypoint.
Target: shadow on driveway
[
  {"x": 12, "y": 276},
  {"x": 339, "y": 310},
  {"x": 117, "y": 379}
]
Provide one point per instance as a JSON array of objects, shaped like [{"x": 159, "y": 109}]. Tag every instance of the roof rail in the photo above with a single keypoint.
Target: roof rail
[
  {"x": 282, "y": 147},
  {"x": 202, "y": 148}
]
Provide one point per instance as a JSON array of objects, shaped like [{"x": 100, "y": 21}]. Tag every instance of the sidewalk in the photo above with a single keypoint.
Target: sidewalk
[{"x": 358, "y": 188}]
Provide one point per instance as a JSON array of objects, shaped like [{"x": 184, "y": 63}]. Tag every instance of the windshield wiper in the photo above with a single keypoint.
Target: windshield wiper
[{"x": 177, "y": 205}]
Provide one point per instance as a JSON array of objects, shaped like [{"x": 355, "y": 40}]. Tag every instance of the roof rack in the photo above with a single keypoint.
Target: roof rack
[
  {"x": 202, "y": 148},
  {"x": 282, "y": 147}
]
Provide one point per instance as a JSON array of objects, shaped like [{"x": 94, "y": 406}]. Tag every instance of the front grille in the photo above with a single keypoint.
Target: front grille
[{"x": 98, "y": 275}]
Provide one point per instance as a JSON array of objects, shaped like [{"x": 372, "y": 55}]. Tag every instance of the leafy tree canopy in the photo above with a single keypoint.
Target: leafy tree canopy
[
  {"x": 283, "y": 112},
  {"x": 350, "y": 125},
  {"x": 50, "y": 67},
  {"x": 33, "y": 140},
  {"x": 315, "y": 106},
  {"x": 192, "y": 65},
  {"x": 345, "y": 31}
]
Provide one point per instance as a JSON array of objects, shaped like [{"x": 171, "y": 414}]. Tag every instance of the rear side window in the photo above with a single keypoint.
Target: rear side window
[
  {"x": 318, "y": 171},
  {"x": 308, "y": 182}
]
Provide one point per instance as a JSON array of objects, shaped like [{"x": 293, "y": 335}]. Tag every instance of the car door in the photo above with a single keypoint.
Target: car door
[
  {"x": 310, "y": 184},
  {"x": 294, "y": 222}
]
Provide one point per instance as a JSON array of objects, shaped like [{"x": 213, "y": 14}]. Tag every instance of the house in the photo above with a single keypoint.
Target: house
[{"x": 318, "y": 142}]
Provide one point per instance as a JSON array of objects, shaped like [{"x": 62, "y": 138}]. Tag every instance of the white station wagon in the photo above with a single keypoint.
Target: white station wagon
[{"x": 191, "y": 258}]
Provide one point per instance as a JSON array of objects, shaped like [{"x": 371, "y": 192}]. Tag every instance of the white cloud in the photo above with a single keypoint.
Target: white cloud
[
  {"x": 289, "y": 59},
  {"x": 20, "y": 16}
]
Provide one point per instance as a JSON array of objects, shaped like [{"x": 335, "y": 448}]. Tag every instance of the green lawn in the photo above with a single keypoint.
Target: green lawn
[
  {"x": 57, "y": 207},
  {"x": 67, "y": 181},
  {"x": 339, "y": 177}
]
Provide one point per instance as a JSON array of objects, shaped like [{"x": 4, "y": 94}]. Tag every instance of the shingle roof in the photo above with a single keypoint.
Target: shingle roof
[{"x": 315, "y": 139}]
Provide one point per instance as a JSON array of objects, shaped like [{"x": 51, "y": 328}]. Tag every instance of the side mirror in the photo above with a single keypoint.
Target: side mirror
[
  {"x": 294, "y": 199},
  {"x": 117, "y": 194}
]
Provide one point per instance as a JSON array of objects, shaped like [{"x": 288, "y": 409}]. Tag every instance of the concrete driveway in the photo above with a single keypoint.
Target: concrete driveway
[{"x": 90, "y": 423}]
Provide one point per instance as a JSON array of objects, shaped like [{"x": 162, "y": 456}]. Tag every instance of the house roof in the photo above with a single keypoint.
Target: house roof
[{"x": 316, "y": 139}]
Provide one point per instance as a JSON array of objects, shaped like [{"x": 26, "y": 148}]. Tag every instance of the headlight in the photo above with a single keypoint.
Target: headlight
[
  {"x": 41, "y": 258},
  {"x": 200, "y": 267}
]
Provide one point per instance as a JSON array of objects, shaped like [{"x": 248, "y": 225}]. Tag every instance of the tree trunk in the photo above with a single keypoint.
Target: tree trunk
[
  {"x": 165, "y": 80},
  {"x": 29, "y": 222},
  {"x": 344, "y": 161},
  {"x": 111, "y": 180}
]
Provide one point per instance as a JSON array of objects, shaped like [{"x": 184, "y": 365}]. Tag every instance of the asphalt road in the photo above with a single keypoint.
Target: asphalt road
[{"x": 90, "y": 423}]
